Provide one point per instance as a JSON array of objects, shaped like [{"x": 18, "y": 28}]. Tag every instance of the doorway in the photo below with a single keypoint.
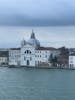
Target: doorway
[{"x": 27, "y": 62}]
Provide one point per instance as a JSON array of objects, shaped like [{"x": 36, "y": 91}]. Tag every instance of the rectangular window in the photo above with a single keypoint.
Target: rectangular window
[
  {"x": 38, "y": 62},
  {"x": 71, "y": 61},
  {"x": 71, "y": 58},
  {"x": 35, "y": 62},
  {"x": 35, "y": 55},
  {"x": 24, "y": 58},
  {"x": 30, "y": 58},
  {"x": 46, "y": 56},
  {"x": 46, "y": 51}
]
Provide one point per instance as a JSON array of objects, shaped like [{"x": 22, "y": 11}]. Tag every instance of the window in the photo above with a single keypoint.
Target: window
[
  {"x": 72, "y": 65},
  {"x": 30, "y": 58},
  {"x": 46, "y": 56},
  {"x": 28, "y": 52},
  {"x": 38, "y": 62},
  {"x": 35, "y": 51},
  {"x": 71, "y": 58},
  {"x": 35, "y": 55},
  {"x": 46, "y": 51},
  {"x": 24, "y": 58},
  {"x": 71, "y": 61}
]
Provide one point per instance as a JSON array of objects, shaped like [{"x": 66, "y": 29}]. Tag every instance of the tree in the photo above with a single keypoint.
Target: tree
[
  {"x": 51, "y": 58},
  {"x": 55, "y": 59}
]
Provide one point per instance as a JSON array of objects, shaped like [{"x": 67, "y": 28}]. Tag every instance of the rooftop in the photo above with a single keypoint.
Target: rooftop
[
  {"x": 14, "y": 48},
  {"x": 46, "y": 48}
]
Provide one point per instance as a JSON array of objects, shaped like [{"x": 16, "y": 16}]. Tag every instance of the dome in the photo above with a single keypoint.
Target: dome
[
  {"x": 23, "y": 42},
  {"x": 33, "y": 41}
]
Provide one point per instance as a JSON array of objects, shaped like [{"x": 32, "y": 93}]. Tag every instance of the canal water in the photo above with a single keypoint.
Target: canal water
[{"x": 36, "y": 84}]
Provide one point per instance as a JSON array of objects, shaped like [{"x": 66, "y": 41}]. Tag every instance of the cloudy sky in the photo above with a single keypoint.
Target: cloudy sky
[
  {"x": 37, "y": 12},
  {"x": 52, "y": 20}
]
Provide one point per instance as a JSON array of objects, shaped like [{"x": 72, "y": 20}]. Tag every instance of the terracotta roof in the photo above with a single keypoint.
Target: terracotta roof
[
  {"x": 46, "y": 48},
  {"x": 14, "y": 48}
]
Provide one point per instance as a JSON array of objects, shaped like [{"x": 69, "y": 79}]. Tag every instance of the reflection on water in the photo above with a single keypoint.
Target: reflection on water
[{"x": 36, "y": 84}]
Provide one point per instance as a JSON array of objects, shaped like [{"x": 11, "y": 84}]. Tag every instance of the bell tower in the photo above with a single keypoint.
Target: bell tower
[{"x": 32, "y": 35}]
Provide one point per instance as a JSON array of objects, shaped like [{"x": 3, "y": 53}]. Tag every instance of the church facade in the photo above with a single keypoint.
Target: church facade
[{"x": 31, "y": 53}]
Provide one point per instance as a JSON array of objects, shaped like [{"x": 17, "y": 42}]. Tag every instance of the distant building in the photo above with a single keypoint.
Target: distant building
[
  {"x": 63, "y": 58},
  {"x": 4, "y": 57},
  {"x": 72, "y": 57},
  {"x": 71, "y": 50},
  {"x": 72, "y": 60},
  {"x": 32, "y": 54},
  {"x": 14, "y": 56}
]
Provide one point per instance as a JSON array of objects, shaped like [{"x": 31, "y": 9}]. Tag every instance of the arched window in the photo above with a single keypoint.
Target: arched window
[
  {"x": 28, "y": 52},
  {"x": 25, "y": 51}
]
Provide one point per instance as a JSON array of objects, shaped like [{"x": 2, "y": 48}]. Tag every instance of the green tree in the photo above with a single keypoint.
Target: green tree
[
  {"x": 55, "y": 59},
  {"x": 51, "y": 58}
]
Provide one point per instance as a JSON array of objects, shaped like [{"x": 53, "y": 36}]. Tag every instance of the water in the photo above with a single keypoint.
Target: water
[{"x": 36, "y": 84}]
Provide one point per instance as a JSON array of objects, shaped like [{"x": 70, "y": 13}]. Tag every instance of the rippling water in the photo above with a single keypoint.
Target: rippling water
[{"x": 36, "y": 84}]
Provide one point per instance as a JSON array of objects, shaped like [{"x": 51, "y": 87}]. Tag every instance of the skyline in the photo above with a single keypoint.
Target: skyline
[{"x": 48, "y": 36}]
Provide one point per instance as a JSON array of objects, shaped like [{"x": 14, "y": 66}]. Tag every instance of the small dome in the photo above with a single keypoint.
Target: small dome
[
  {"x": 33, "y": 41},
  {"x": 23, "y": 42}
]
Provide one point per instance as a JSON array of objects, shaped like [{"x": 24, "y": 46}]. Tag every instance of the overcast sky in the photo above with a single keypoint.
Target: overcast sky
[
  {"x": 37, "y": 12},
  {"x": 54, "y": 21}
]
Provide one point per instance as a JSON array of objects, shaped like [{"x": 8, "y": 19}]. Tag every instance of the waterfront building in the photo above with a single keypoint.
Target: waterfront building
[
  {"x": 3, "y": 57},
  {"x": 33, "y": 54},
  {"x": 14, "y": 56},
  {"x": 72, "y": 60},
  {"x": 63, "y": 58}
]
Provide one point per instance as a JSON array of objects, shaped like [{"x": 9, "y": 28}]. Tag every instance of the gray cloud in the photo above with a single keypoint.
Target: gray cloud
[{"x": 37, "y": 12}]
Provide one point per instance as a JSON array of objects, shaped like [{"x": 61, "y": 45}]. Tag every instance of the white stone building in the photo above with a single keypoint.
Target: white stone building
[
  {"x": 32, "y": 54},
  {"x": 72, "y": 61},
  {"x": 3, "y": 60},
  {"x": 14, "y": 56}
]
